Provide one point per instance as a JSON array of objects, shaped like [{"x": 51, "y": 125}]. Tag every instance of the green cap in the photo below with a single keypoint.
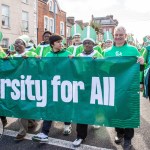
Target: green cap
[{"x": 88, "y": 34}]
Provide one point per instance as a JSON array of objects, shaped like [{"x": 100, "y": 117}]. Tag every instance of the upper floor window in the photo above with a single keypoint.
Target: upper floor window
[
  {"x": 51, "y": 6},
  {"x": 25, "y": 1},
  {"x": 62, "y": 28},
  {"x": 51, "y": 23},
  {"x": 25, "y": 21},
  {"x": 5, "y": 16},
  {"x": 46, "y": 23}
]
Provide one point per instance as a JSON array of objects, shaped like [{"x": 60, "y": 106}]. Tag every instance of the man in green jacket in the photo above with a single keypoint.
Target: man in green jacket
[{"x": 121, "y": 48}]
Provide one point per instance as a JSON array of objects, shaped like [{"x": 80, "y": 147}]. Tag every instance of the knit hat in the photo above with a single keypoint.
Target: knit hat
[
  {"x": 88, "y": 33},
  {"x": 25, "y": 39},
  {"x": 76, "y": 30},
  {"x": 1, "y": 36},
  {"x": 107, "y": 36}
]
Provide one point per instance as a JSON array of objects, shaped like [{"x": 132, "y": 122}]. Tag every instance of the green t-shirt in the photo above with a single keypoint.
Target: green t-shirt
[
  {"x": 125, "y": 50},
  {"x": 62, "y": 53},
  {"x": 43, "y": 49}
]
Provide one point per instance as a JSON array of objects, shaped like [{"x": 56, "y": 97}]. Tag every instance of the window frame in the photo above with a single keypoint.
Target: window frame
[
  {"x": 5, "y": 16},
  {"x": 48, "y": 25},
  {"x": 63, "y": 30},
  {"x": 51, "y": 30},
  {"x": 27, "y": 21}
]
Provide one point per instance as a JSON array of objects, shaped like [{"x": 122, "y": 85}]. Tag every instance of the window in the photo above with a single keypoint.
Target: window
[
  {"x": 51, "y": 6},
  {"x": 4, "y": 43},
  {"x": 25, "y": 1},
  {"x": 46, "y": 23},
  {"x": 5, "y": 16},
  {"x": 68, "y": 31},
  {"x": 25, "y": 21},
  {"x": 51, "y": 23},
  {"x": 61, "y": 28},
  {"x": 105, "y": 21}
]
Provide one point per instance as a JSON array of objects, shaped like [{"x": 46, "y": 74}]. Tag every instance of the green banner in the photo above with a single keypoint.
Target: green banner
[{"x": 81, "y": 90}]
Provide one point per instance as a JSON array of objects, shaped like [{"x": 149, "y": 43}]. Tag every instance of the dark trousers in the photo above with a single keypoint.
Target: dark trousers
[
  {"x": 128, "y": 132},
  {"x": 82, "y": 130},
  {"x": 47, "y": 125}
]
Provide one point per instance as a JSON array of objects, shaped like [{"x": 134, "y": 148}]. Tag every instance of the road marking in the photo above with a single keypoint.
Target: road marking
[{"x": 56, "y": 142}]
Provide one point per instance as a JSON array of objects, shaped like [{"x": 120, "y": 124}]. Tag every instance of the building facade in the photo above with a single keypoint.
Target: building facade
[
  {"x": 107, "y": 23},
  {"x": 51, "y": 18},
  {"x": 18, "y": 17}
]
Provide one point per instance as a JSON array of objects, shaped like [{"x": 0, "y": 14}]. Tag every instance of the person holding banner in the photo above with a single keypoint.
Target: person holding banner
[
  {"x": 88, "y": 43},
  {"x": 20, "y": 45},
  {"x": 3, "y": 118},
  {"x": 43, "y": 48},
  {"x": 121, "y": 48},
  {"x": 57, "y": 51},
  {"x": 2, "y": 55}
]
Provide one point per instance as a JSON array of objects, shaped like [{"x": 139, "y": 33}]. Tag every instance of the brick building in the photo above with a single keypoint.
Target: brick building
[
  {"x": 16, "y": 18},
  {"x": 51, "y": 18},
  {"x": 107, "y": 23}
]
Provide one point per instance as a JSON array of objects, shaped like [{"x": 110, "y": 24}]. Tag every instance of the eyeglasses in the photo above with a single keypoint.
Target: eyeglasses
[{"x": 89, "y": 43}]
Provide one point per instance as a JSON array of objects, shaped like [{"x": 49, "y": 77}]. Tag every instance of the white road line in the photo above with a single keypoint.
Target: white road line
[{"x": 56, "y": 142}]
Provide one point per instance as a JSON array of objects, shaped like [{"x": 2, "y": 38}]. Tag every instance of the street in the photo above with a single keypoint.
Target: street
[{"x": 102, "y": 138}]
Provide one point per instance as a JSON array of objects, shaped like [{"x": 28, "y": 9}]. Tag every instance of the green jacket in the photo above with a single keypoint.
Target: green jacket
[{"x": 42, "y": 49}]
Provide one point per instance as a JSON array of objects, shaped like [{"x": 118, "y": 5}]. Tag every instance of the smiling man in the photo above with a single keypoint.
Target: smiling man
[{"x": 121, "y": 48}]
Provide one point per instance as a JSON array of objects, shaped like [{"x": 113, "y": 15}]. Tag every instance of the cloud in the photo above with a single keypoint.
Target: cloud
[{"x": 138, "y": 5}]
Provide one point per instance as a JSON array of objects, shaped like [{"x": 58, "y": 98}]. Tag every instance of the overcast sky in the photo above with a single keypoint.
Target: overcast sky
[{"x": 132, "y": 14}]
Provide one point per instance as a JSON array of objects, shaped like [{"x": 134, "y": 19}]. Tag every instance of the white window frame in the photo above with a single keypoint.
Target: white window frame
[
  {"x": 25, "y": 21},
  {"x": 62, "y": 28},
  {"x": 5, "y": 16},
  {"x": 51, "y": 26},
  {"x": 46, "y": 24},
  {"x": 51, "y": 6}
]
